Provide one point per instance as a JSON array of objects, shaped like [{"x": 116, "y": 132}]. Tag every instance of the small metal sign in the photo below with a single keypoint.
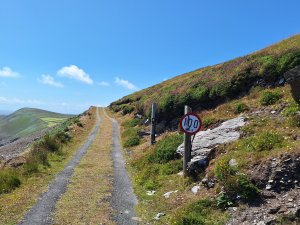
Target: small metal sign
[{"x": 190, "y": 123}]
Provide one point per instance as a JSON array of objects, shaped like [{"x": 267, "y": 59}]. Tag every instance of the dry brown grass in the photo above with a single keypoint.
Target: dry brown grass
[
  {"x": 87, "y": 198},
  {"x": 14, "y": 205}
]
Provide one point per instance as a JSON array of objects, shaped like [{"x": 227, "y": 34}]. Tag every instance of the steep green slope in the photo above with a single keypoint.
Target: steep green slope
[
  {"x": 27, "y": 121},
  {"x": 209, "y": 86}
]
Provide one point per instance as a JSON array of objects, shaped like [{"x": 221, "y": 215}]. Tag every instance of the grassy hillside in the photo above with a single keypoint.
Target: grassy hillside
[
  {"x": 248, "y": 86},
  {"x": 27, "y": 121},
  {"x": 212, "y": 85}
]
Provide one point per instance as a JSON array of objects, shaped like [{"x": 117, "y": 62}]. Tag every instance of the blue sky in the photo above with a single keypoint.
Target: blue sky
[{"x": 65, "y": 55}]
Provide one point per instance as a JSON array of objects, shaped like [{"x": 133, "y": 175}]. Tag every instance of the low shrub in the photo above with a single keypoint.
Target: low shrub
[
  {"x": 203, "y": 212},
  {"x": 240, "y": 107},
  {"x": 9, "y": 180},
  {"x": 127, "y": 109},
  {"x": 131, "y": 123},
  {"x": 78, "y": 122},
  {"x": 165, "y": 149},
  {"x": 131, "y": 137},
  {"x": 234, "y": 182},
  {"x": 132, "y": 141},
  {"x": 63, "y": 136},
  {"x": 147, "y": 177},
  {"x": 291, "y": 110},
  {"x": 51, "y": 143},
  {"x": 294, "y": 121},
  {"x": 207, "y": 121},
  {"x": 171, "y": 167},
  {"x": 223, "y": 200},
  {"x": 264, "y": 141},
  {"x": 30, "y": 167},
  {"x": 269, "y": 98}
]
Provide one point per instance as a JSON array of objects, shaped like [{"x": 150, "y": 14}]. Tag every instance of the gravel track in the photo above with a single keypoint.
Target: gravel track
[
  {"x": 41, "y": 213},
  {"x": 123, "y": 198}
]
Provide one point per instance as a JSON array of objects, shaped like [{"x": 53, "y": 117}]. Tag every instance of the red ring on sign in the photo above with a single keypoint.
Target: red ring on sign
[{"x": 193, "y": 114}]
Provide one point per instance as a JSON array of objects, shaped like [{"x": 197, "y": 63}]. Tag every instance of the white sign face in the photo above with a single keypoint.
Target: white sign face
[{"x": 190, "y": 123}]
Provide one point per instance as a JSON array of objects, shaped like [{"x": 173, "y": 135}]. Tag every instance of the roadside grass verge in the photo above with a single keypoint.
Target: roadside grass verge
[
  {"x": 36, "y": 177},
  {"x": 86, "y": 199}
]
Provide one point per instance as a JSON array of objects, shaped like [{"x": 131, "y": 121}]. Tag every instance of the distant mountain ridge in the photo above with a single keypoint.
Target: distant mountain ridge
[{"x": 27, "y": 121}]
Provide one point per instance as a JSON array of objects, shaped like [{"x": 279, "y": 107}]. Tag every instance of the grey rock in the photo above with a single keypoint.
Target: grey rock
[
  {"x": 281, "y": 81},
  {"x": 205, "y": 142},
  {"x": 268, "y": 187},
  {"x": 293, "y": 78},
  {"x": 139, "y": 116},
  {"x": 274, "y": 209},
  {"x": 158, "y": 215},
  {"x": 167, "y": 195},
  {"x": 233, "y": 163},
  {"x": 195, "y": 189}
]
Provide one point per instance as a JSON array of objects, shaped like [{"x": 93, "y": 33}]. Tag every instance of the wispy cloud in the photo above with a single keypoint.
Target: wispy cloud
[
  {"x": 74, "y": 72},
  {"x": 14, "y": 101},
  {"x": 49, "y": 80},
  {"x": 125, "y": 84},
  {"x": 7, "y": 72},
  {"x": 104, "y": 83}
]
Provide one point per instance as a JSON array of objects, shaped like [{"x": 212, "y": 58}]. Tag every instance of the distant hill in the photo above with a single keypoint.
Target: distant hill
[
  {"x": 27, "y": 121},
  {"x": 212, "y": 85}
]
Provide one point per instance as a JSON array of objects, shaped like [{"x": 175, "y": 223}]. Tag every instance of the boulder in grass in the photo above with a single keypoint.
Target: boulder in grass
[{"x": 293, "y": 78}]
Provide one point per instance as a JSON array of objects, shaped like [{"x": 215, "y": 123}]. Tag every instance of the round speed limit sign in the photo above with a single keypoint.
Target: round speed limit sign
[{"x": 190, "y": 123}]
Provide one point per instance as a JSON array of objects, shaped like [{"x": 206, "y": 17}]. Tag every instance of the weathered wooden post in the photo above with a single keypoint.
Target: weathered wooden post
[
  {"x": 153, "y": 123},
  {"x": 187, "y": 146}
]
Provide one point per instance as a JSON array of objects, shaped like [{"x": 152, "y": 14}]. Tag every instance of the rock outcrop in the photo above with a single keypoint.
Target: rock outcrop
[
  {"x": 205, "y": 142},
  {"x": 293, "y": 78}
]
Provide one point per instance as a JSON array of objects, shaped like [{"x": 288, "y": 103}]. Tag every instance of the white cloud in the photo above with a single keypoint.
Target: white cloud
[
  {"x": 74, "y": 72},
  {"x": 14, "y": 101},
  {"x": 47, "y": 79},
  {"x": 104, "y": 83},
  {"x": 165, "y": 79},
  {"x": 7, "y": 72},
  {"x": 125, "y": 84}
]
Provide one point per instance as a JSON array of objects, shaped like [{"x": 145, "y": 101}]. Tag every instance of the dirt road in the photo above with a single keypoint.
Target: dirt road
[{"x": 68, "y": 183}]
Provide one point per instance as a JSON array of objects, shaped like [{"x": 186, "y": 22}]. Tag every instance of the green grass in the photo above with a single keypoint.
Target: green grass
[
  {"x": 234, "y": 182},
  {"x": 269, "y": 98},
  {"x": 9, "y": 180},
  {"x": 131, "y": 137},
  {"x": 240, "y": 108},
  {"x": 264, "y": 141},
  {"x": 203, "y": 212},
  {"x": 165, "y": 149}
]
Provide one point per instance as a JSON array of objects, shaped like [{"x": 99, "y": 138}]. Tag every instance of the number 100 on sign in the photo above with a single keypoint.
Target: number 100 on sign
[{"x": 190, "y": 123}]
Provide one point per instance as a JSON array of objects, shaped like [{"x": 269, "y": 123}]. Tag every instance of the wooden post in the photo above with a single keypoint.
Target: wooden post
[
  {"x": 153, "y": 123},
  {"x": 187, "y": 145}
]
